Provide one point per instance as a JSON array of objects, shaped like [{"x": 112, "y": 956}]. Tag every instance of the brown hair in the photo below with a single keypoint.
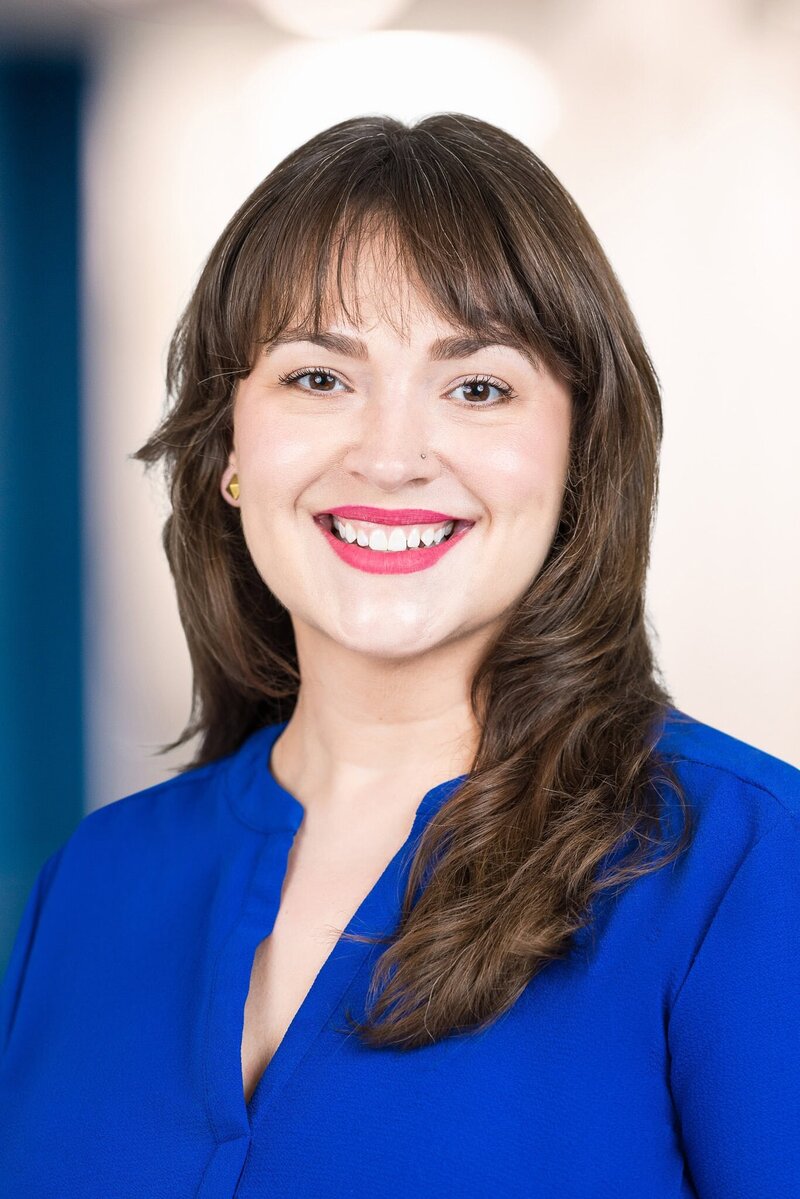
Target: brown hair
[{"x": 567, "y": 699}]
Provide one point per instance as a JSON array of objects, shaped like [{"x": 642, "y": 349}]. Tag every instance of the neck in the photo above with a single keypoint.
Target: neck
[{"x": 366, "y": 732}]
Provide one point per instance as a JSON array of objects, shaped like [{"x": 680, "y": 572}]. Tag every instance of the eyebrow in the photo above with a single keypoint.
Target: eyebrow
[{"x": 440, "y": 350}]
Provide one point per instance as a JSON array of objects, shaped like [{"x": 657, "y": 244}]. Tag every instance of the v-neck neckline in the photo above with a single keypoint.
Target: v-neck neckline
[{"x": 265, "y": 806}]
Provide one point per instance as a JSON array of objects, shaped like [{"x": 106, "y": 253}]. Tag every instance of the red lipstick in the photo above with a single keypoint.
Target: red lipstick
[{"x": 389, "y": 562}]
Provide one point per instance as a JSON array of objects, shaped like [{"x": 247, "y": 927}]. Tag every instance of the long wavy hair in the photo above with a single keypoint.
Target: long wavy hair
[{"x": 565, "y": 800}]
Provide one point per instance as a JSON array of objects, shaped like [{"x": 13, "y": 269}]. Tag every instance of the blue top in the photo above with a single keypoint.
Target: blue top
[{"x": 660, "y": 1059}]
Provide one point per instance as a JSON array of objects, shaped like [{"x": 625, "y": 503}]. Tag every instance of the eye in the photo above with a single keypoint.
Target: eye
[
  {"x": 481, "y": 385},
  {"x": 319, "y": 375}
]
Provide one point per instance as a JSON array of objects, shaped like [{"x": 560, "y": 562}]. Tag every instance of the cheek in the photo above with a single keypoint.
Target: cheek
[
  {"x": 275, "y": 458},
  {"x": 526, "y": 474}
]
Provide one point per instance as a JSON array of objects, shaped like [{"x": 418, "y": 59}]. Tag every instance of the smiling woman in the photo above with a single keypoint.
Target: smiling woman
[{"x": 411, "y": 450}]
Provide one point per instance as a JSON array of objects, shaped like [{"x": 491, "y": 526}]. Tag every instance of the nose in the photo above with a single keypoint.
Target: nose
[{"x": 391, "y": 436}]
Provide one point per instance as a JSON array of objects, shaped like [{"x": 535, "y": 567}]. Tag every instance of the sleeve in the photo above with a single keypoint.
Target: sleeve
[
  {"x": 14, "y": 976},
  {"x": 734, "y": 1032}
]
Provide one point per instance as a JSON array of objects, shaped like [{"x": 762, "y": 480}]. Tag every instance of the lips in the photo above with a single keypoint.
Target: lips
[{"x": 386, "y": 562}]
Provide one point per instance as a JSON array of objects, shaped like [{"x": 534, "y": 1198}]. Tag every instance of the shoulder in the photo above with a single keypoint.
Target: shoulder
[
  {"x": 125, "y": 868},
  {"x": 178, "y": 819},
  {"x": 727, "y": 925},
  {"x": 169, "y": 803},
  {"x": 743, "y": 808},
  {"x": 729, "y": 783},
  {"x": 140, "y": 854}
]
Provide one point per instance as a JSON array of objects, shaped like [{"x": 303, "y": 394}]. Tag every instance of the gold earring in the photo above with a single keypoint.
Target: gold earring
[{"x": 233, "y": 487}]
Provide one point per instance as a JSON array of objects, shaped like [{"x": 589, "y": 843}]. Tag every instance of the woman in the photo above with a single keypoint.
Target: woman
[{"x": 451, "y": 900}]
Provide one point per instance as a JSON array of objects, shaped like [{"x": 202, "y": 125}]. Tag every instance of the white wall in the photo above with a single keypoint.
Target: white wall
[{"x": 677, "y": 134}]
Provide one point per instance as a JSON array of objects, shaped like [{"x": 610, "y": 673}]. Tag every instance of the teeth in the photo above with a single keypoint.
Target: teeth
[{"x": 390, "y": 539}]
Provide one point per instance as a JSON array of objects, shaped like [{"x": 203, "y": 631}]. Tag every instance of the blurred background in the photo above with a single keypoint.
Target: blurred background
[{"x": 130, "y": 130}]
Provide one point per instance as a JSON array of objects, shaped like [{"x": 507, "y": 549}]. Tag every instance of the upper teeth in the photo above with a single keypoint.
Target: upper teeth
[{"x": 391, "y": 537}]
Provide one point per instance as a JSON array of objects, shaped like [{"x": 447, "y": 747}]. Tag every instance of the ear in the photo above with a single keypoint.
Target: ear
[{"x": 230, "y": 471}]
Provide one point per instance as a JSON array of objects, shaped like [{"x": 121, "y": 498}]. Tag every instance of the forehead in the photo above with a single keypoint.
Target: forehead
[
  {"x": 375, "y": 285},
  {"x": 377, "y": 291}
]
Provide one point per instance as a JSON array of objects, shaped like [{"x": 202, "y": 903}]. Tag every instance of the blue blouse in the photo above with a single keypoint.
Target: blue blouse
[{"x": 661, "y": 1059}]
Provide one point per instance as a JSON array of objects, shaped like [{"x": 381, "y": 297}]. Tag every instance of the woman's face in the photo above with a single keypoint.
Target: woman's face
[{"x": 353, "y": 436}]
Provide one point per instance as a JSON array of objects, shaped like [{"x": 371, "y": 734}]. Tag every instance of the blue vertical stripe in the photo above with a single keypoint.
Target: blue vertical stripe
[{"x": 41, "y": 751}]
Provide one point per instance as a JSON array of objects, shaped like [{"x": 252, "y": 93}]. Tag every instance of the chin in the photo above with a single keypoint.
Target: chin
[
  {"x": 401, "y": 647},
  {"x": 384, "y": 651}
]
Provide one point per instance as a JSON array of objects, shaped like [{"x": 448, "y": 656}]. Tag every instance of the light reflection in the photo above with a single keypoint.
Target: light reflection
[
  {"x": 404, "y": 73},
  {"x": 321, "y": 18}
]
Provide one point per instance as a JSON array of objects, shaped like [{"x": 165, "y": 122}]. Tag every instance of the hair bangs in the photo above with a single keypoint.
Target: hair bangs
[{"x": 468, "y": 271}]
